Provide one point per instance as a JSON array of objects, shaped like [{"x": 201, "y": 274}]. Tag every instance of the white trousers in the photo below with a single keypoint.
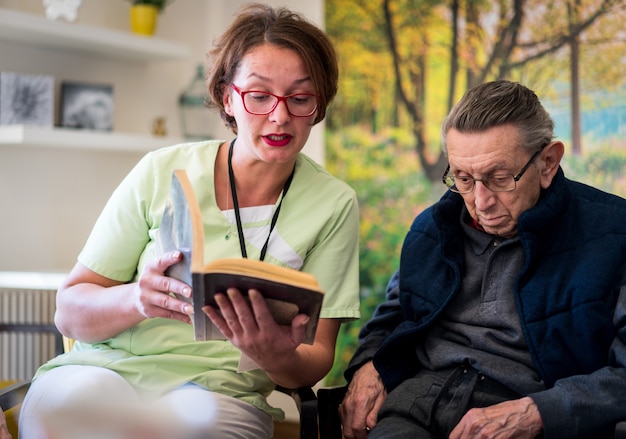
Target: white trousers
[{"x": 87, "y": 402}]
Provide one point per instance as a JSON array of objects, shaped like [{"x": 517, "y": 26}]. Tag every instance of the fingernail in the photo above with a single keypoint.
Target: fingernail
[
  {"x": 187, "y": 292},
  {"x": 188, "y": 310}
]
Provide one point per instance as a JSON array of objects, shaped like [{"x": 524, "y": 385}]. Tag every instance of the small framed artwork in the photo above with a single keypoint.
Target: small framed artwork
[
  {"x": 26, "y": 99},
  {"x": 87, "y": 106}
]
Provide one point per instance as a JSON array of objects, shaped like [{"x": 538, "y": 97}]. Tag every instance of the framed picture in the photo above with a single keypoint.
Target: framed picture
[
  {"x": 26, "y": 99},
  {"x": 87, "y": 106}
]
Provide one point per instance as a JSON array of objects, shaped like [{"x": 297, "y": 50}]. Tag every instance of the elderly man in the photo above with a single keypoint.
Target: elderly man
[{"x": 507, "y": 318}]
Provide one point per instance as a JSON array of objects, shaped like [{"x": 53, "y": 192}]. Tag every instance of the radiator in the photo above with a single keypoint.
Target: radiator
[{"x": 27, "y": 303}]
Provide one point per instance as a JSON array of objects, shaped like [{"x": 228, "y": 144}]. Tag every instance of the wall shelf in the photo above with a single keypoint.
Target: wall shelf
[
  {"x": 43, "y": 137},
  {"x": 36, "y": 30}
]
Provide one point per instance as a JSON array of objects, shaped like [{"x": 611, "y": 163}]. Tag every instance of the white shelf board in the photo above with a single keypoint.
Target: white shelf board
[
  {"x": 34, "y": 136},
  {"x": 36, "y": 30}
]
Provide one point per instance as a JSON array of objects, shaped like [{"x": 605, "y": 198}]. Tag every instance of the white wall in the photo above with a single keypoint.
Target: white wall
[{"x": 50, "y": 198}]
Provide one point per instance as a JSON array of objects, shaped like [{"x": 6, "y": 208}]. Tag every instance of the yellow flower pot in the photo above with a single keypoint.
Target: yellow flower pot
[{"x": 143, "y": 19}]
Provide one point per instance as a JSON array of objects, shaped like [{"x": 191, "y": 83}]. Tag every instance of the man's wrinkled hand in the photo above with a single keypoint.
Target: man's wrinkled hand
[
  {"x": 364, "y": 397},
  {"x": 517, "y": 419}
]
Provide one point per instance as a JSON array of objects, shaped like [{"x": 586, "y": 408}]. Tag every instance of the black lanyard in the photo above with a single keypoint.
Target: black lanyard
[{"x": 231, "y": 176}]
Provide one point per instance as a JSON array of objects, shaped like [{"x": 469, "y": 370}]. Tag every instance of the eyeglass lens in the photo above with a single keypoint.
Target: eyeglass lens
[{"x": 497, "y": 183}]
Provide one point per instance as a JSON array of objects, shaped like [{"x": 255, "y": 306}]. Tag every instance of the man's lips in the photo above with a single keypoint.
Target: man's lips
[
  {"x": 491, "y": 221},
  {"x": 277, "y": 139}
]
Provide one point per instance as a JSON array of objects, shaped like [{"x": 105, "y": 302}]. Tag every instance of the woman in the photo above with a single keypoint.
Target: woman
[{"x": 272, "y": 76}]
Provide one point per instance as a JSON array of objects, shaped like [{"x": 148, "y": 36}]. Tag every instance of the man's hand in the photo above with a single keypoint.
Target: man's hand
[
  {"x": 4, "y": 432},
  {"x": 359, "y": 409},
  {"x": 517, "y": 419}
]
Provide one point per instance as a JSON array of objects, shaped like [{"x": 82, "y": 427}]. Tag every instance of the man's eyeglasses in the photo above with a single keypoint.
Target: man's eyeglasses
[
  {"x": 261, "y": 102},
  {"x": 464, "y": 184}
]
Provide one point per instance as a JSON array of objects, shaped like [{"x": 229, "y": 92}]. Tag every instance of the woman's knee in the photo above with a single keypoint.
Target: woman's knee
[{"x": 67, "y": 387}]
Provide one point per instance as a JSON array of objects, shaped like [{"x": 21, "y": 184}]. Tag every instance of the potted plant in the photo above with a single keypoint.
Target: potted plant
[{"x": 144, "y": 13}]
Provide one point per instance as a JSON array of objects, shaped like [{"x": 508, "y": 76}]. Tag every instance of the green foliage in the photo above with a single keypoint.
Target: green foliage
[
  {"x": 384, "y": 171},
  {"x": 603, "y": 167}
]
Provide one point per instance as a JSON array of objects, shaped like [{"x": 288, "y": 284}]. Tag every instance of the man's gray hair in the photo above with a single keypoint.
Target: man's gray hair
[{"x": 498, "y": 103}]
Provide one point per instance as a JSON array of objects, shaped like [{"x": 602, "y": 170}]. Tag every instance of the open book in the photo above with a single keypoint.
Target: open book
[{"x": 287, "y": 292}]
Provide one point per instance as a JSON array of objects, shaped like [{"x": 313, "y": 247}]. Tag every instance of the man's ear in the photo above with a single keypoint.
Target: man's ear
[{"x": 550, "y": 159}]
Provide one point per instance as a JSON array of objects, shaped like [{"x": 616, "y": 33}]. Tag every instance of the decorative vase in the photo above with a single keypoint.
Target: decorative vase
[
  {"x": 143, "y": 19},
  {"x": 195, "y": 117}
]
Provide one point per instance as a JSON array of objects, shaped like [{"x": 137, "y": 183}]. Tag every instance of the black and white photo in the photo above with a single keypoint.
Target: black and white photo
[
  {"x": 26, "y": 99},
  {"x": 87, "y": 106}
]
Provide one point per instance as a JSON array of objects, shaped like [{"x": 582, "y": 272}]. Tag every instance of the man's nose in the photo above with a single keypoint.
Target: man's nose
[{"x": 483, "y": 196}]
